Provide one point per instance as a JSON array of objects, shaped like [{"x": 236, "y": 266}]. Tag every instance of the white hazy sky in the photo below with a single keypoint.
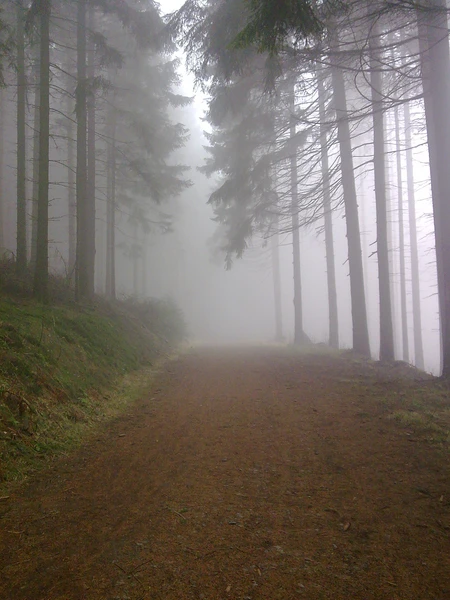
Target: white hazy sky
[{"x": 168, "y": 6}]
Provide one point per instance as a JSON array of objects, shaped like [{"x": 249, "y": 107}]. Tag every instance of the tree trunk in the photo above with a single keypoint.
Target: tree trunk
[
  {"x": 71, "y": 192},
  {"x": 333, "y": 338},
  {"x": 403, "y": 308},
  {"x": 21, "y": 248},
  {"x": 358, "y": 300},
  {"x": 110, "y": 280},
  {"x": 433, "y": 37},
  {"x": 415, "y": 279},
  {"x": 2, "y": 203},
  {"x": 135, "y": 259},
  {"x": 299, "y": 335},
  {"x": 275, "y": 252},
  {"x": 392, "y": 241},
  {"x": 91, "y": 164},
  {"x": 40, "y": 287},
  {"x": 82, "y": 278},
  {"x": 144, "y": 265},
  {"x": 386, "y": 332},
  {"x": 35, "y": 185},
  {"x": 365, "y": 249}
]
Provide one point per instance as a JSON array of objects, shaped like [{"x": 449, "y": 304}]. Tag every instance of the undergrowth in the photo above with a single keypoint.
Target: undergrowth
[
  {"x": 60, "y": 366},
  {"x": 416, "y": 401}
]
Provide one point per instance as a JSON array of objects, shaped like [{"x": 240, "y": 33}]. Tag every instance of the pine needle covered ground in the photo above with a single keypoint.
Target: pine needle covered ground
[{"x": 248, "y": 474}]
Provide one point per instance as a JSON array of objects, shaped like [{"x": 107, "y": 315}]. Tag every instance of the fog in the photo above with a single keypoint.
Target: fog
[
  {"x": 237, "y": 305},
  {"x": 178, "y": 253}
]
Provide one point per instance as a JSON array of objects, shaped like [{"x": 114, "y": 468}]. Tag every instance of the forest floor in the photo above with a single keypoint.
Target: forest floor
[{"x": 246, "y": 473}]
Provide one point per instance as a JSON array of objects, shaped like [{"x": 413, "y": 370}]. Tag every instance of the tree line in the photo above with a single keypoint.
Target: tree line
[
  {"x": 303, "y": 97},
  {"x": 91, "y": 87}
]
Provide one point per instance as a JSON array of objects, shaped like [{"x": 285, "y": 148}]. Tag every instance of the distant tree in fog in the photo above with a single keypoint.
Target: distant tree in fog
[
  {"x": 141, "y": 136},
  {"x": 333, "y": 334},
  {"x": 275, "y": 169},
  {"x": 434, "y": 58},
  {"x": 339, "y": 103},
  {"x": 415, "y": 280},
  {"x": 354, "y": 40},
  {"x": 375, "y": 63},
  {"x": 435, "y": 63},
  {"x": 111, "y": 116},
  {"x": 21, "y": 253},
  {"x": 42, "y": 12}
]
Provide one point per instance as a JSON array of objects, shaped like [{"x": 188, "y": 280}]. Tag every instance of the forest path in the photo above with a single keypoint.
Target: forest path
[{"x": 245, "y": 474}]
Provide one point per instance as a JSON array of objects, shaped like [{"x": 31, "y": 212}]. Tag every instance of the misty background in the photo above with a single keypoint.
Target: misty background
[
  {"x": 184, "y": 260},
  {"x": 237, "y": 305}
]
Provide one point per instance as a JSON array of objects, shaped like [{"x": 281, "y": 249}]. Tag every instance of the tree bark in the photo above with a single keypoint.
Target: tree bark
[
  {"x": 358, "y": 300},
  {"x": 391, "y": 239},
  {"x": 415, "y": 279},
  {"x": 35, "y": 184},
  {"x": 71, "y": 191},
  {"x": 275, "y": 252},
  {"x": 433, "y": 38},
  {"x": 82, "y": 278},
  {"x": 135, "y": 259},
  {"x": 333, "y": 337},
  {"x": 403, "y": 307},
  {"x": 21, "y": 246},
  {"x": 299, "y": 335},
  {"x": 91, "y": 164},
  {"x": 2, "y": 203},
  {"x": 386, "y": 331},
  {"x": 110, "y": 279},
  {"x": 144, "y": 274},
  {"x": 40, "y": 287}
]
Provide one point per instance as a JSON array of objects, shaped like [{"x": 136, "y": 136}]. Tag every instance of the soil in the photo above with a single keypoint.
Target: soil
[{"x": 245, "y": 474}]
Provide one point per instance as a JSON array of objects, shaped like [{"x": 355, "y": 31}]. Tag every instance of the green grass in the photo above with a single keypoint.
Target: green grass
[
  {"x": 411, "y": 398},
  {"x": 63, "y": 368},
  {"x": 425, "y": 410}
]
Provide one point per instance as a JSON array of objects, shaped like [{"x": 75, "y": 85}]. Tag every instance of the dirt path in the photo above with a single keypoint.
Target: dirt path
[{"x": 247, "y": 474}]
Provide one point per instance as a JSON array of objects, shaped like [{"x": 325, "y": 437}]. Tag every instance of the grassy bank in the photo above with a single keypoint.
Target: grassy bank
[
  {"x": 416, "y": 401},
  {"x": 63, "y": 368}
]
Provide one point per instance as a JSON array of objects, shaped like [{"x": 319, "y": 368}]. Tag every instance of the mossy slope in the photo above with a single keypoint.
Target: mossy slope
[{"x": 58, "y": 366}]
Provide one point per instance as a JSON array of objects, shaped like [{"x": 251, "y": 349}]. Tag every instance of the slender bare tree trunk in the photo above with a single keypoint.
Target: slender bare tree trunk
[
  {"x": 110, "y": 280},
  {"x": 358, "y": 300},
  {"x": 82, "y": 278},
  {"x": 333, "y": 337},
  {"x": 433, "y": 39},
  {"x": 403, "y": 307},
  {"x": 144, "y": 265},
  {"x": 21, "y": 247},
  {"x": 71, "y": 191},
  {"x": 365, "y": 248},
  {"x": 135, "y": 259},
  {"x": 415, "y": 279},
  {"x": 386, "y": 331},
  {"x": 392, "y": 241},
  {"x": 41, "y": 270},
  {"x": 91, "y": 163},
  {"x": 299, "y": 335},
  {"x": 2, "y": 204},
  {"x": 392, "y": 225},
  {"x": 275, "y": 254},
  {"x": 35, "y": 185}
]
